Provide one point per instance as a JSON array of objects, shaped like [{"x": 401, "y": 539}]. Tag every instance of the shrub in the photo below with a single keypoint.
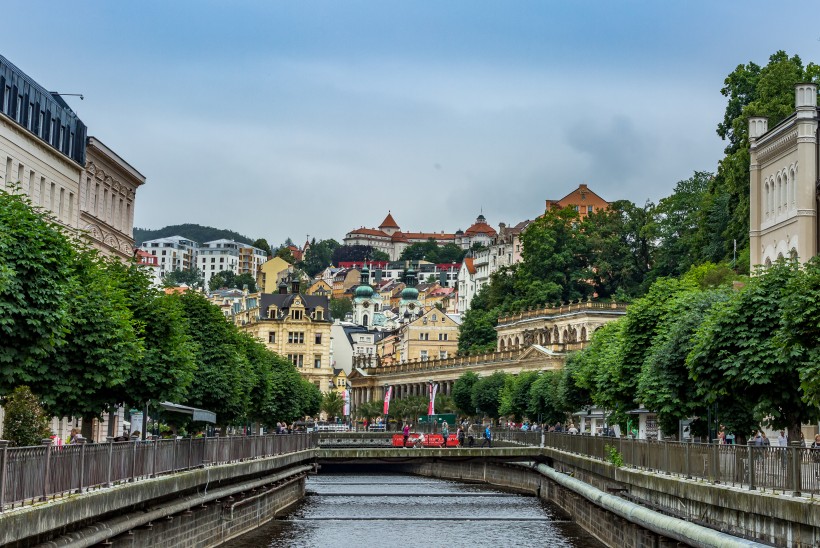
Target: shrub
[{"x": 25, "y": 423}]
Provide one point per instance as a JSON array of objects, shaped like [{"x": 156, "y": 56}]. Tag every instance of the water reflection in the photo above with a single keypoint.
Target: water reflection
[{"x": 387, "y": 510}]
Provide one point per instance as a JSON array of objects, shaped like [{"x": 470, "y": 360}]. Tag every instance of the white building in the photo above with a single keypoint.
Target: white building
[
  {"x": 217, "y": 255},
  {"x": 173, "y": 253}
]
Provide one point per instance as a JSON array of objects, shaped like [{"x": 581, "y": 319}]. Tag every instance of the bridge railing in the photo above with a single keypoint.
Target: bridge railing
[
  {"x": 40, "y": 473},
  {"x": 783, "y": 469}
]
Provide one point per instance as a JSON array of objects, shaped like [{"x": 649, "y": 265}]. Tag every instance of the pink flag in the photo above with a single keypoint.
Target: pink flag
[
  {"x": 346, "y": 397},
  {"x": 387, "y": 400},
  {"x": 431, "y": 406}
]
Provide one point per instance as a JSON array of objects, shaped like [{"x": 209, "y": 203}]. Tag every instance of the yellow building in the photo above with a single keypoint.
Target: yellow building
[
  {"x": 432, "y": 335},
  {"x": 271, "y": 273},
  {"x": 297, "y": 327},
  {"x": 320, "y": 288},
  {"x": 340, "y": 380}
]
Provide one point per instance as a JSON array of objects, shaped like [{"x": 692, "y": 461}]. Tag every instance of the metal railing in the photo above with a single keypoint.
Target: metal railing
[
  {"x": 40, "y": 473},
  {"x": 794, "y": 470}
]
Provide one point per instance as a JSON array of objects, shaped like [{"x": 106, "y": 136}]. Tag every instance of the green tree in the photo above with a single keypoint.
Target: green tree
[
  {"x": 319, "y": 256},
  {"x": 263, "y": 244},
  {"x": 346, "y": 253},
  {"x": 222, "y": 279},
  {"x": 737, "y": 353},
  {"x": 409, "y": 408},
  {"x": 544, "y": 400},
  {"x": 25, "y": 422},
  {"x": 245, "y": 279},
  {"x": 463, "y": 392},
  {"x": 36, "y": 279},
  {"x": 191, "y": 277},
  {"x": 378, "y": 255},
  {"x": 515, "y": 396},
  {"x": 286, "y": 254},
  {"x": 486, "y": 395},
  {"x": 369, "y": 409},
  {"x": 333, "y": 404},
  {"x": 340, "y": 307}
]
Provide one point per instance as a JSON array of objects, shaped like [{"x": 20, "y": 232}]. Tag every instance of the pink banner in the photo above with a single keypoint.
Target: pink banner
[
  {"x": 431, "y": 406},
  {"x": 387, "y": 396},
  {"x": 346, "y": 397}
]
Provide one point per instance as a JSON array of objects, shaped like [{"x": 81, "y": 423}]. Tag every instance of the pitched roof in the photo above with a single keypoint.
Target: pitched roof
[
  {"x": 311, "y": 302},
  {"x": 369, "y": 232},
  {"x": 468, "y": 262},
  {"x": 389, "y": 222},
  {"x": 480, "y": 228}
]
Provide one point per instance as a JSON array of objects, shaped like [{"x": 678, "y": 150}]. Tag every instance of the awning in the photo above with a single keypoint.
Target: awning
[{"x": 198, "y": 415}]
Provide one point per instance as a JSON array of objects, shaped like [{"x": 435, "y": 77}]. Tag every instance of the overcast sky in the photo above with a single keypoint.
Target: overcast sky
[{"x": 289, "y": 118}]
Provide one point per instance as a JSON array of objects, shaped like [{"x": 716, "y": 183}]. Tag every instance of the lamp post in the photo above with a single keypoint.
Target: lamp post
[{"x": 430, "y": 395}]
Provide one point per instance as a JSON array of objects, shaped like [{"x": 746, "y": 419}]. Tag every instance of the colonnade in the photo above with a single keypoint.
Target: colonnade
[{"x": 400, "y": 391}]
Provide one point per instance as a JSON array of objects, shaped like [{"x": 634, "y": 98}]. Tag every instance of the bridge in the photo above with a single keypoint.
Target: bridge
[{"x": 239, "y": 482}]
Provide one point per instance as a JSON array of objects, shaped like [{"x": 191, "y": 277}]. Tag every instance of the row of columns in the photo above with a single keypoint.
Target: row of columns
[{"x": 400, "y": 391}]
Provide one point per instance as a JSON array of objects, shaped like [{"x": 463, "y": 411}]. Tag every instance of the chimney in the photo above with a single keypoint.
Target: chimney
[
  {"x": 757, "y": 127},
  {"x": 283, "y": 287},
  {"x": 294, "y": 285}
]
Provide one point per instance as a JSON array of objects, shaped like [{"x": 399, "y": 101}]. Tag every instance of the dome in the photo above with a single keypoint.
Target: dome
[
  {"x": 363, "y": 291},
  {"x": 409, "y": 294}
]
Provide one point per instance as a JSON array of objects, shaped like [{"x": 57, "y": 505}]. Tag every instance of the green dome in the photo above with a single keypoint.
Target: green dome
[
  {"x": 410, "y": 294},
  {"x": 363, "y": 291}
]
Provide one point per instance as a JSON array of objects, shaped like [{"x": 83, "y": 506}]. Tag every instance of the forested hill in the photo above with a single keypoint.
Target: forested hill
[{"x": 197, "y": 233}]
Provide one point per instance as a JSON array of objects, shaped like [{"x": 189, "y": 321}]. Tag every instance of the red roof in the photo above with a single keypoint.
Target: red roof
[
  {"x": 468, "y": 262},
  {"x": 369, "y": 232},
  {"x": 357, "y": 264},
  {"x": 399, "y": 237},
  {"x": 480, "y": 228},
  {"x": 389, "y": 222}
]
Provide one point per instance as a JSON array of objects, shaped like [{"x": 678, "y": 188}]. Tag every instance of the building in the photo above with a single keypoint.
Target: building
[
  {"x": 582, "y": 200},
  {"x": 297, "y": 327},
  {"x": 434, "y": 334},
  {"x": 237, "y": 305},
  {"x": 344, "y": 280},
  {"x": 466, "y": 285},
  {"x": 251, "y": 260},
  {"x": 390, "y": 239},
  {"x": 173, "y": 253},
  {"x": 782, "y": 184},
  {"x": 45, "y": 154},
  {"x": 271, "y": 273},
  {"x": 320, "y": 288},
  {"x": 215, "y": 256},
  {"x": 149, "y": 264}
]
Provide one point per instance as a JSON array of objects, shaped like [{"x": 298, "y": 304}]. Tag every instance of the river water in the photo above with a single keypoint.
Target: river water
[{"x": 386, "y": 510}]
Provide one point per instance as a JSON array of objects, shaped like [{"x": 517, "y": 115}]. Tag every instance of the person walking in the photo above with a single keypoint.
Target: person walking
[
  {"x": 815, "y": 456},
  {"x": 445, "y": 432},
  {"x": 406, "y": 433},
  {"x": 460, "y": 436},
  {"x": 488, "y": 437},
  {"x": 471, "y": 435}
]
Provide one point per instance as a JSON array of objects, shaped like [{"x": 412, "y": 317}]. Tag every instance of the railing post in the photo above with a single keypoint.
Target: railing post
[
  {"x": 797, "y": 480},
  {"x": 134, "y": 459},
  {"x": 688, "y": 461},
  {"x": 216, "y": 449},
  {"x": 190, "y": 450},
  {"x": 4, "y": 459},
  {"x": 154, "y": 450},
  {"x": 48, "y": 443},
  {"x": 174, "y": 460},
  {"x": 82, "y": 442},
  {"x": 634, "y": 442},
  {"x": 110, "y": 441},
  {"x": 716, "y": 452},
  {"x": 751, "y": 468}
]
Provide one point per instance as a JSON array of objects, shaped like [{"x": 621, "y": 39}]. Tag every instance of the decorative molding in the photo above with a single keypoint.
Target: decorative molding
[{"x": 777, "y": 147}]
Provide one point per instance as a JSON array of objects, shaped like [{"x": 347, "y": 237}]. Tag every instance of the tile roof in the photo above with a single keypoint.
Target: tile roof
[{"x": 389, "y": 222}]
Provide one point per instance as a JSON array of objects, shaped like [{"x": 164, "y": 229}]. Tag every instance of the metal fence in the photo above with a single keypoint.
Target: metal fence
[
  {"x": 40, "y": 473},
  {"x": 794, "y": 470}
]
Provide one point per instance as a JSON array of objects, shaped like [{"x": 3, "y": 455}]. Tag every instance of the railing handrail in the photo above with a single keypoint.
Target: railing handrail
[{"x": 43, "y": 472}]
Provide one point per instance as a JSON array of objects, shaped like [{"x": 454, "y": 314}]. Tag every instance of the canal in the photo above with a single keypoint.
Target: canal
[{"x": 387, "y": 509}]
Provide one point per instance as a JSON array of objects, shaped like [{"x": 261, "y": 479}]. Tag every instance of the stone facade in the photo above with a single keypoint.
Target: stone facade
[{"x": 783, "y": 183}]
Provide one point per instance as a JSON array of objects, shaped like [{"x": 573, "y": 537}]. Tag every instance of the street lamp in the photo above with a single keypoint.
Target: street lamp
[
  {"x": 387, "y": 410},
  {"x": 430, "y": 393}
]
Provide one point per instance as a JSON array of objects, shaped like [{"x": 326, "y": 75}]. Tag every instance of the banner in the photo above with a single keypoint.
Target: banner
[
  {"x": 346, "y": 398},
  {"x": 387, "y": 400},
  {"x": 431, "y": 406}
]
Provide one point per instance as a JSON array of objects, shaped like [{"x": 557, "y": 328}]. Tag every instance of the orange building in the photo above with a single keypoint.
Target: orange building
[{"x": 582, "y": 199}]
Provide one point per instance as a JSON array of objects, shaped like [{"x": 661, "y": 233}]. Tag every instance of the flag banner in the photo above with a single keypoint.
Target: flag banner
[
  {"x": 346, "y": 397},
  {"x": 431, "y": 406},
  {"x": 387, "y": 396}
]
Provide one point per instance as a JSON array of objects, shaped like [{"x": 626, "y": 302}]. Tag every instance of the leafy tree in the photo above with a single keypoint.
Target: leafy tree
[
  {"x": 340, "y": 307},
  {"x": 195, "y": 232},
  {"x": 409, "y": 408},
  {"x": 245, "y": 279},
  {"x": 515, "y": 396},
  {"x": 25, "y": 423},
  {"x": 191, "y": 277},
  {"x": 379, "y": 255},
  {"x": 486, "y": 395},
  {"x": 286, "y": 254},
  {"x": 348, "y": 253},
  {"x": 333, "y": 404},
  {"x": 226, "y": 279},
  {"x": 369, "y": 409},
  {"x": 318, "y": 256},
  {"x": 36, "y": 279},
  {"x": 445, "y": 404},
  {"x": 599, "y": 369},
  {"x": 544, "y": 400},
  {"x": 263, "y": 244},
  {"x": 224, "y": 375},
  {"x": 463, "y": 392},
  {"x": 737, "y": 353},
  {"x": 570, "y": 396}
]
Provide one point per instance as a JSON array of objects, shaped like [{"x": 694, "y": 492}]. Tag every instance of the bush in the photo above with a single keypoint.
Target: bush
[
  {"x": 25, "y": 423},
  {"x": 613, "y": 456}
]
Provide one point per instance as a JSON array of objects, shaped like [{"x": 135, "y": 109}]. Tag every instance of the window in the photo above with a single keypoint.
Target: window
[
  {"x": 296, "y": 314},
  {"x": 442, "y": 336},
  {"x": 589, "y": 209},
  {"x": 318, "y": 338},
  {"x": 317, "y": 361},
  {"x": 318, "y": 315},
  {"x": 423, "y": 355},
  {"x": 442, "y": 354},
  {"x": 30, "y": 119},
  {"x": 424, "y": 336},
  {"x": 435, "y": 318},
  {"x": 19, "y": 113},
  {"x": 271, "y": 337},
  {"x": 6, "y": 99},
  {"x": 297, "y": 359},
  {"x": 296, "y": 337},
  {"x": 577, "y": 208}
]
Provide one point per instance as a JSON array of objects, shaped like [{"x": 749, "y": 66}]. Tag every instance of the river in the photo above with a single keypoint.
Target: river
[{"x": 386, "y": 510}]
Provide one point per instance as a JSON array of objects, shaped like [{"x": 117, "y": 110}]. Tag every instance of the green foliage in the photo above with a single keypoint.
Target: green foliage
[
  {"x": 263, "y": 244},
  {"x": 345, "y": 253},
  {"x": 486, "y": 394},
  {"x": 195, "y": 232},
  {"x": 340, "y": 307},
  {"x": 25, "y": 423},
  {"x": 409, "y": 408},
  {"x": 432, "y": 252},
  {"x": 285, "y": 254},
  {"x": 191, "y": 277},
  {"x": 613, "y": 456},
  {"x": 369, "y": 409},
  {"x": 318, "y": 256},
  {"x": 544, "y": 398},
  {"x": 333, "y": 404},
  {"x": 515, "y": 396},
  {"x": 463, "y": 392},
  {"x": 226, "y": 279},
  {"x": 800, "y": 333}
]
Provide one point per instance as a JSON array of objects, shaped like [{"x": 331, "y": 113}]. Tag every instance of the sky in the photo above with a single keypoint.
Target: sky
[{"x": 306, "y": 118}]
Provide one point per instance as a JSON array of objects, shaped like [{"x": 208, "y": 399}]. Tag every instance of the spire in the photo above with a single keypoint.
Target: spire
[{"x": 388, "y": 221}]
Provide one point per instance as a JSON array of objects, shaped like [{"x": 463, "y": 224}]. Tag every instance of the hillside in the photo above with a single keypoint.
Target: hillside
[{"x": 197, "y": 233}]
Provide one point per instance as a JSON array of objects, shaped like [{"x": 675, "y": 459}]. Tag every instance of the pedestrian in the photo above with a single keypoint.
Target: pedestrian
[
  {"x": 460, "y": 436},
  {"x": 445, "y": 432},
  {"x": 815, "y": 456},
  {"x": 74, "y": 436},
  {"x": 572, "y": 429},
  {"x": 471, "y": 435},
  {"x": 782, "y": 440},
  {"x": 406, "y": 433},
  {"x": 488, "y": 437}
]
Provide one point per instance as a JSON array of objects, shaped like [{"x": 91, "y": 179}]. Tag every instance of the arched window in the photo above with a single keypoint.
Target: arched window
[
  {"x": 365, "y": 320},
  {"x": 785, "y": 197},
  {"x": 793, "y": 177},
  {"x": 502, "y": 345},
  {"x": 565, "y": 337},
  {"x": 583, "y": 334},
  {"x": 793, "y": 254},
  {"x": 768, "y": 262},
  {"x": 516, "y": 342},
  {"x": 778, "y": 186},
  {"x": 766, "y": 202}
]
